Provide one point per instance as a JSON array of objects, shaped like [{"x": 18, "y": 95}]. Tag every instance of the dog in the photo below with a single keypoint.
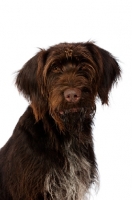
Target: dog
[{"x": 50, "y": 155}]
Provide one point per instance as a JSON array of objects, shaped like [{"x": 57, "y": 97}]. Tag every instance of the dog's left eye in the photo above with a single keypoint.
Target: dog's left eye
[{"x": 83, "y": 67}]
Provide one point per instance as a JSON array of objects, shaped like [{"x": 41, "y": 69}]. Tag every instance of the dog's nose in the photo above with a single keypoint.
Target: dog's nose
[{"x": 72, "y": 95}]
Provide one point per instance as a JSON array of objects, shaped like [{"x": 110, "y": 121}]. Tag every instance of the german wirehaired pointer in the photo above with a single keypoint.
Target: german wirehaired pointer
[{"x": 50, "y": 155}]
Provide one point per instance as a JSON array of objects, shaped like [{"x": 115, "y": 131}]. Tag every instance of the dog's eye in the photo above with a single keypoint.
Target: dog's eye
[
  {"x": 83, "y": 67},
  {"x": 55, "y": 68},
  {"x": 86, "y": 90}
]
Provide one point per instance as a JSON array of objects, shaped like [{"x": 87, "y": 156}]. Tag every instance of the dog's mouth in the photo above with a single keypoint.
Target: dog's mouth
[{"x": 71, "y": 110}]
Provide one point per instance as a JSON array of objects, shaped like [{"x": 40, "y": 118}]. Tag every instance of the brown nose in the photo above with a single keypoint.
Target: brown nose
[{"x": 72, "y": 95}]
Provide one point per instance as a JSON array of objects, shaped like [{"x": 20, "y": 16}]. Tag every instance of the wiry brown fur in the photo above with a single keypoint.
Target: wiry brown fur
[{"x": 50, "y": 155}]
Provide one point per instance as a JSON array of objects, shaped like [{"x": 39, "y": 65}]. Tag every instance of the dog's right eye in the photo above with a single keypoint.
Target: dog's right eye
[{"x": 56, "y": 68}]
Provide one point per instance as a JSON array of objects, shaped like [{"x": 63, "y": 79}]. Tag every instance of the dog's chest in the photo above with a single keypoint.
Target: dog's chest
[{"x": 69, "y": 180}]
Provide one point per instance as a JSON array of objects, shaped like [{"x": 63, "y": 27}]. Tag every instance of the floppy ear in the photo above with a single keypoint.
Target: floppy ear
[
  {"x": 29, "y": 80},
  {"x": 109, "y": 70},
  {"x": 26, "y": 80}
]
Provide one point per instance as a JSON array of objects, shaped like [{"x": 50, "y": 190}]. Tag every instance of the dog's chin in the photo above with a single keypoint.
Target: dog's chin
[{"x": 73, "y": 118}]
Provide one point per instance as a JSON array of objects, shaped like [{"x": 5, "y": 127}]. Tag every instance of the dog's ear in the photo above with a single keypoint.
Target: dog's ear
[
  {"x": 108, "y": 69},
  {"x": 27, "y": 80},
  {"x": 30, "y": 82}
]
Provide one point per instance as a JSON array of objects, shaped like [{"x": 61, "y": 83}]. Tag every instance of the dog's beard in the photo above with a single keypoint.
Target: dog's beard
[{"x": 73, "y": 119}]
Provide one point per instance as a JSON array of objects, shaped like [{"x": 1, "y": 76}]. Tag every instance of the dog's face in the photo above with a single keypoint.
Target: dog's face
[{"x": 66, "y": 79}]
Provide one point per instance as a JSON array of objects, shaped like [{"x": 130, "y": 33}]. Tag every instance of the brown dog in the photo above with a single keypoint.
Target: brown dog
[{"x": 50, "y": 155}]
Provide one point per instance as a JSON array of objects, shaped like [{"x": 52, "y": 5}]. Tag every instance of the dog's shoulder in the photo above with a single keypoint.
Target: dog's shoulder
[{"x": 27, "y": 132}]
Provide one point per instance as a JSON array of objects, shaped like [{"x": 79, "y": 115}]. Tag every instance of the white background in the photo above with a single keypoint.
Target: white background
[{"x": 28, "y": 24}]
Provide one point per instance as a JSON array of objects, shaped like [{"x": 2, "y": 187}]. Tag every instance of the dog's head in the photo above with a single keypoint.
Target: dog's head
[{"x": 66, "y": 79}]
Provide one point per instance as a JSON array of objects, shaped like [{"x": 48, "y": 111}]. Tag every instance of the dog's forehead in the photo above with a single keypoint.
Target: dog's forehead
[{"x": 67, "y": 50}]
